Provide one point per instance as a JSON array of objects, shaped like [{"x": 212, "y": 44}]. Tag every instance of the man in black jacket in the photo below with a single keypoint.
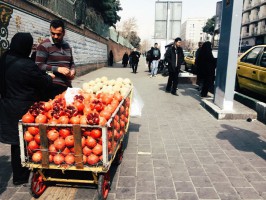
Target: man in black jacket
[
  {"x": 174, "y": 56},
  {"x": 135, "y": 60}
]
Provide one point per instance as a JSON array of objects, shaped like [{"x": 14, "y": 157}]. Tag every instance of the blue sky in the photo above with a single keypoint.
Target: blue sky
[{"x": 144, "y": 12}]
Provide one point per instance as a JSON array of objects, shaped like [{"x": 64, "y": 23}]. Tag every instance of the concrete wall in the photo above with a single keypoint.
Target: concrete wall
[{"x": 90, "y": 50}]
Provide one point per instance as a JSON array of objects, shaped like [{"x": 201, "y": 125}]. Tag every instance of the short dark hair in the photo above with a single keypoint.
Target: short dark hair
[
  {"x": 155, "y": 43},
  {"x": 56, "y": 23},
  {"x": 178, "y": 39}
]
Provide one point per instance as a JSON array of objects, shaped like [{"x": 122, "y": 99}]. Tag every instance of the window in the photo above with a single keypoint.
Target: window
[
  {"x": 252, "y": 56},
  {"x": 263, "y": 59}
]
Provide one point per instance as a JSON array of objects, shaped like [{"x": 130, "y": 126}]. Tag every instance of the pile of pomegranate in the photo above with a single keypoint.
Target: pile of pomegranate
[{"x": 88, "y": 108}]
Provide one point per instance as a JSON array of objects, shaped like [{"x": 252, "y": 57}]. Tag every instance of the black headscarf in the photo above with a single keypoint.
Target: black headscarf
[
  {"x": 20, "y": 46},
  {"x": 206, "y": 51}
]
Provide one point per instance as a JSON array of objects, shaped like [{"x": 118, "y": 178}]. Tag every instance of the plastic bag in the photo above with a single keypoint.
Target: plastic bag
[
  {"x": 70, "y": 94},
  {"x": 136, "y": 105}
]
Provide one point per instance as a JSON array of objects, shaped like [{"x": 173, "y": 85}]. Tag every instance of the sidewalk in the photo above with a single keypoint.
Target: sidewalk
[{"x": 176, "y": 150}]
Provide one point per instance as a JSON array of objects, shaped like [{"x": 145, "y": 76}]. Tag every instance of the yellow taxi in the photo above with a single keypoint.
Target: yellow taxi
[
  {"x": 190, "y": 61},
  {"x": 251, "y": 70}
]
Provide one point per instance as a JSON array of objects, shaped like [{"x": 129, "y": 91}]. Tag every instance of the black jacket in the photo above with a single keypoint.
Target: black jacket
[
  {"x": 135, "y": 56},
  {"x": 170, "y": 58},
  {"x": 125, "y": 58},
  {"x": 21, "y": 81}
]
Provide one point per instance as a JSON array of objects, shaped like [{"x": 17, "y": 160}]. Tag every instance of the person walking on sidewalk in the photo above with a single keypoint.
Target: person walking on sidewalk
[
  {"x": 125, "y": 59},
  {"x": 207, "y": 65},
  {"x": 174, "y": 56},
  {"x": 111, "y": 58},
  {"x": 197, "y": 69},
  {"x": 156, "y": 55},
  {"x": 54, "y": 54},
  {"x": 20, "y": 85},
  {"x": 149, "y": 58},
  {"x": 135, "y": 60}
]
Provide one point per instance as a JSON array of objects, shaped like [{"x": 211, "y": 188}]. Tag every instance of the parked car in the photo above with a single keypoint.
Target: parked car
[
  {"x": 190, "y": 61},
  {"x": 251, "y": 70}
]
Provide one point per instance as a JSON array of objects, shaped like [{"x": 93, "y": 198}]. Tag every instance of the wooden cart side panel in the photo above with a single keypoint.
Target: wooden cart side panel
[
  {"x": 44, "y": 145},
  {"x": 78, "y": 146}
]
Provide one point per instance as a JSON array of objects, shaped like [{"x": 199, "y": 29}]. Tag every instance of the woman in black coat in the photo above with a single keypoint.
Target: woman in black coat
[
  {"x": 174, "y": 57},
  {"x": 125, "y": 59},
  {"x": 111, "y": 58},
  {"x": 21, "y": 79},
  {"x": 206, "y": 64}
]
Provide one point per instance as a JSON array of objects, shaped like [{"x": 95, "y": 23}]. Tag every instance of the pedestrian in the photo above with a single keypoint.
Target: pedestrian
[
  {"x": 149, "y": 58},
  {"x": 198, "y": 82},
  {"x": 111, "y": 58},
  {"x": 135, "y": 60},
  {"x": 21, "y": 81},
  {"x": 206, "y": 64},
  {"x": 54, "y": 54},
  {"x": 125, "y": 59},
  {"x": 156, "y": 55},
  {"x": 174, "y": 56}
]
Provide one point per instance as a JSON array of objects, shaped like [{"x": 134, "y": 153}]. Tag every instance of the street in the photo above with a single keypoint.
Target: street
[{"x": 175, "y": 150}]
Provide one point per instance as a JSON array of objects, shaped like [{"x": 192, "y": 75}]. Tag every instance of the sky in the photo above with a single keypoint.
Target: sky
[{"x": 144, "y": 12}]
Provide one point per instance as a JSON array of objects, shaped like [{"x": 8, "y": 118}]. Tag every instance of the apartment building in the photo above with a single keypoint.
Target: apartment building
[
  {"x": 191, "y": 32},
  {"x": 253, "y": 31}
]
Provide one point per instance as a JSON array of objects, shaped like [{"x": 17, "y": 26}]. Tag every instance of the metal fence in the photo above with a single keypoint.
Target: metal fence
[{"x": 64, "y": 8}]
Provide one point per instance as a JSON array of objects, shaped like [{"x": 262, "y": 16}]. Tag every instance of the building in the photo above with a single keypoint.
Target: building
[
  {"x": 253, "y": 31},
  {"x": 192, "y": 33}
]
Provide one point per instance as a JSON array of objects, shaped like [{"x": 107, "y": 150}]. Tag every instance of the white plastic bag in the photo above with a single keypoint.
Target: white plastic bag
[
  {"x": 70, "y": 94},
  {"x": 136, "y": 104}
]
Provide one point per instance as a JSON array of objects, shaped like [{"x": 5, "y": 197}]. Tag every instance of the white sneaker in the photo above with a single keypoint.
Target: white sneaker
[{"x": 150, "y": 76}]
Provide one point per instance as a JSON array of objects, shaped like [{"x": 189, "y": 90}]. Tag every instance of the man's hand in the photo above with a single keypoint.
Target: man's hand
[
  {"x": 72, "y": 74},
  {"x": 64, "y": 70},
  {"x": 51, "y": 74}
]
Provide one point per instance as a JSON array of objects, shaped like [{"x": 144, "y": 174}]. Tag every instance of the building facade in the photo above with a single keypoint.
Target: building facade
[
  {"x": 192, "y": 32},
  {"x": 253, "y": 31}
]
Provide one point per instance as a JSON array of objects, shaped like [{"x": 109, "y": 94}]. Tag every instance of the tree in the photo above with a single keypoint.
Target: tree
[
  {"x": 128, "y": 26},
  {"x": 107, "y": 9},
  {"x": 209, "y": 27},
  {"x": 145, "y": 45},
  {"x": 134, "y": 39},
  {"x": 129, "y": 31}
]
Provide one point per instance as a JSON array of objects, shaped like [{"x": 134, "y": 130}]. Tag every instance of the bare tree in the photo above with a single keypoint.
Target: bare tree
[
  {"x": 145, "y": 45},
  {"x": 128, "y": 26},
  {"x": 128, "y": 30}
]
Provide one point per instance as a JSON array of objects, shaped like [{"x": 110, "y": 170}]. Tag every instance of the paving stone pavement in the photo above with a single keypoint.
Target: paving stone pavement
[{"x": 175, "y": 150}]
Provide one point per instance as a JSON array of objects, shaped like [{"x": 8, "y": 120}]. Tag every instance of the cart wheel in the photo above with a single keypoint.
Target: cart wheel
[
  {"x": 119, "y": 155},
  {"x": 37, "y": 185},
  {"x": 103, "y": 185}
]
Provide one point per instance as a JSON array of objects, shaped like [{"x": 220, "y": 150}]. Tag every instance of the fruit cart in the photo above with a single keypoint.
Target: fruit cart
[{"x": 67, "y": 153}]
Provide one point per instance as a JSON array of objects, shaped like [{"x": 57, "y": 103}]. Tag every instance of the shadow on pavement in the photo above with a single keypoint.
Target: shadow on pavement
[
  {"x": 185, "y": 90},
  {"x": 5, "y": 173},
  {"x": 243, "y": 140}
]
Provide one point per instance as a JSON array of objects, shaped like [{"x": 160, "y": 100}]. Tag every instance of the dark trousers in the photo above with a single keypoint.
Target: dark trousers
[
  {"x": 135, "y": 67},
  {"x": 172, "y": 81},
  {"x": 149, "y": 65},
  {"x": 19, "y": 173}
]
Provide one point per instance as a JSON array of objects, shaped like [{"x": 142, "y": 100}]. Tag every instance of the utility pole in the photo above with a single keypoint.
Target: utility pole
[{"x": 228, "y": 53}]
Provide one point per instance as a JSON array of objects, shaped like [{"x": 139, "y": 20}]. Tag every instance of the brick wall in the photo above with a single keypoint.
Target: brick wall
[{"x": 90, "y": 51}]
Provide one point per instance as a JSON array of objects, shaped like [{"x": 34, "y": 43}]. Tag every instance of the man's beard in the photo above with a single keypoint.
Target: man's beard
[{"x": 57, "y": 41}]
